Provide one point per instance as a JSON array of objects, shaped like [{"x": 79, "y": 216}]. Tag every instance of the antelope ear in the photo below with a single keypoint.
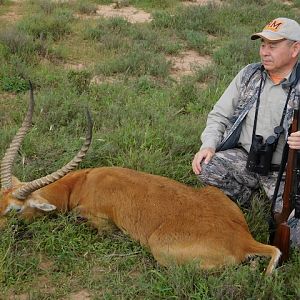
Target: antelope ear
[{"x": 44, "y": 206}]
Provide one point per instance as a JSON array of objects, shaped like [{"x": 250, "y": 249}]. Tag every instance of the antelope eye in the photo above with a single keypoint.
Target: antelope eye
[{"x": 13, "y": 208}]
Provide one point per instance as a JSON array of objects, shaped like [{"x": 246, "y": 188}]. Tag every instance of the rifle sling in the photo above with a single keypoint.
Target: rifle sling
[{"x": 297, "y": 176}]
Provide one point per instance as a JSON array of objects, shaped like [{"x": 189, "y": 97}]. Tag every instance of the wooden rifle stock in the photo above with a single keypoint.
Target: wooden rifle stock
[{"x": 282, "y": 232}]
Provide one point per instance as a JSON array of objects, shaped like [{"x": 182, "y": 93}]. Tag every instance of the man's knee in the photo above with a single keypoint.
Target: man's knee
[{"x": 212, "y": 173}]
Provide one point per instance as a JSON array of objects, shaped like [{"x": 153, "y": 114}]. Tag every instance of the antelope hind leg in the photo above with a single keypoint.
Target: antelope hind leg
[{"x": 204, "y": 253}]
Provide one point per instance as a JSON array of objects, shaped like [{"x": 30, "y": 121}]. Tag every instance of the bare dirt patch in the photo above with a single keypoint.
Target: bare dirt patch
[
  {"x": 81, "y": 295},
  {"x": 74, "y": 66},
  {"x": 5, "y": 96},
  {"x": 11, "y": 17},
  {"x": 187, "y": 63},
  {"x": 200, "y": 2},
  {"x": 45, "y": 264},
  {"x": 129, "y": 13},
  {"x": 18, "y": 297},
  {"x": 99, "y": 79},
  {"x": 44, "y": 284},
  {"x": 287, "y": 2},
  {"x": 15, "y": 12}
]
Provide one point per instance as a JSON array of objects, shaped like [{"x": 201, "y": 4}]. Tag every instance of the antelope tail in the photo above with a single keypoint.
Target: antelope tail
[{"x": 260, "y": 249}]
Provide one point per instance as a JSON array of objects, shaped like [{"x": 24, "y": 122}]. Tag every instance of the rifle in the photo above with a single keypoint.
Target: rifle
[{"x": 279, "y": 228}]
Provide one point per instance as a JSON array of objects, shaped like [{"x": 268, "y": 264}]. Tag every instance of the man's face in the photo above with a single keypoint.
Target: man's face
[{"x": 279, "y": 57}]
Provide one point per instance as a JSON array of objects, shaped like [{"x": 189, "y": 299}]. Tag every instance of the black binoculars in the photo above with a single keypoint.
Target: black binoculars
[{"x": 261, "y": 154}]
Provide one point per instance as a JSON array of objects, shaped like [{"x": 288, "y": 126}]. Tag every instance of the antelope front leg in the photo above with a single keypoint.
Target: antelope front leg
[{"x": 100, "y": 221}]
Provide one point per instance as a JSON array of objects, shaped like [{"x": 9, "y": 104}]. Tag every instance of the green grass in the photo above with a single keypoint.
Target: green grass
[{"x": 144, "y": 120}]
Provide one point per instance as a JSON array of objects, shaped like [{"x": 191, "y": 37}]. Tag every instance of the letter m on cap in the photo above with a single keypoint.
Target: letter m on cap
[{"x": 273, "y": 26}]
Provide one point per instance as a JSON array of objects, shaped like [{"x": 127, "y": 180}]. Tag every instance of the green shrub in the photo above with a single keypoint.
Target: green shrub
[
  {"x": 43, "y": 26},
  {"x": 16, "y": 41},
  {"x": 197, "y": 40},
  {"x": 137, "y": 62},
  {"x": 87, "y": 8},
  {"x": 14, "y": 75},
  {"x": 80, "y": 80},
  {"x": 14, "y": 84},
  {"x": 235, "y": 55},
  {"x": 158, "y": 4},
  {"x": 113, "y": 26},
  {"x": 196, "y": 18},
  {"x": 48, "y": 7}
]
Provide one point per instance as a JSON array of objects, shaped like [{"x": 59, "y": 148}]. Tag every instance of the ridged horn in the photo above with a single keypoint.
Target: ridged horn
[
  {"x": 34, "y": 185},
  {"x": 10, "y": 154}
]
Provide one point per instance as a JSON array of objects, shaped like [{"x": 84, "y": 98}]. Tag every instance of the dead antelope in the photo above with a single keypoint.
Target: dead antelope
[{"x": 178, "y": 223}]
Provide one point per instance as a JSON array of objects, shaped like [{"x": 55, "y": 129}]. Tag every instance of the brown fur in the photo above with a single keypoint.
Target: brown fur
[{"x": 178, "y": 223}]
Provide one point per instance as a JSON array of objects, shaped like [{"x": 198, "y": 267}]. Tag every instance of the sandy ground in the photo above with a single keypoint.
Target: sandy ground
[
  {"x": 186, "y": 63},
  {"x": 200, "y": 2},
  {"x": 130, "y": 13}
]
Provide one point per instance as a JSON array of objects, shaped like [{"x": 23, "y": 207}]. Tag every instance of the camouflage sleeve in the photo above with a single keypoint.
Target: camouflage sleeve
[{"x": 218, "y": 118}]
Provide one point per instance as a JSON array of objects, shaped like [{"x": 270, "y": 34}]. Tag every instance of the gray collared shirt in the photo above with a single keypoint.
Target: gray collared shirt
[{"x": 272, "y": 101}]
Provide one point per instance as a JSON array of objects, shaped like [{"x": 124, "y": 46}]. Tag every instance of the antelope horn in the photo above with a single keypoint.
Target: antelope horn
[
  {"x": 34, "y": 185},
  {"x": 10, "y": 154}
]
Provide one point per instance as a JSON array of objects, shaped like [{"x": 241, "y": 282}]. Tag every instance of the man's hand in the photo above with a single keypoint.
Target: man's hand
[
  {"x": 205, "y": 154},
  {"x": 294, "y": 140}
]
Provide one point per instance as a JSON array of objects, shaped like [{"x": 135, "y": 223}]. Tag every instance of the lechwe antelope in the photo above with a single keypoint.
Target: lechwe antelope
[{"x": 178, "y": 223}]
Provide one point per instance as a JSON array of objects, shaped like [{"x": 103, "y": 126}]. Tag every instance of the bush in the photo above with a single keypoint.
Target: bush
[
  {"x": 43, "y": 26},
  {"x": 197, "y": 40},
  {"x": 16, "y": 41},
  {"x": 87, "y": 8},
  {"x": 80, "y": 80},
  {"x": 137, "y": 62},
  {"x": 14, "y": 75}
]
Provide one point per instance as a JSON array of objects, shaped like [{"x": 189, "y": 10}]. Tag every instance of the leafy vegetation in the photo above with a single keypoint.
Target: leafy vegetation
[{"x": 145, "y": 119}]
